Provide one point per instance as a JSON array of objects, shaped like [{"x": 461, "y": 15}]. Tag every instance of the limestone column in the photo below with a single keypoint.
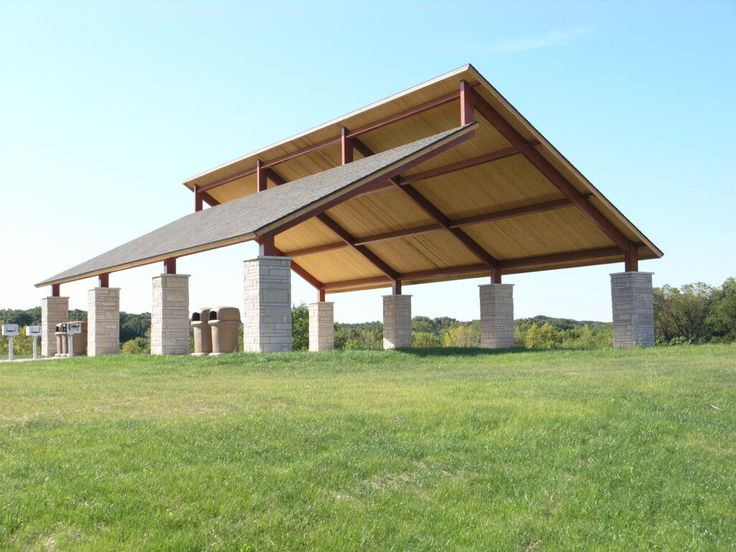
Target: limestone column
[
  {"x": 267, "y": 308},
  {"x": 170, "y": 315},
  {"x": 496, "y": 316},
  {"x": 54, "y": 310},
  {"x": 633, "y": 309},
  {"x": 103, "y": 321},
  {"x": 321, "y": 326},
  {"x": 396, "y": 321}
]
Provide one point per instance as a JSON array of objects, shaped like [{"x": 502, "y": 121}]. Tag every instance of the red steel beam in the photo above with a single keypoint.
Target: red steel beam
[
  {"x": 510, "y": 213},
  {"x": 197, "y": 199},
  {"x": 434, "y": 212},
  {"x": 581, "y": 255},
  {"x": 509, "y": 266},
  {"x": 104, "y": 280},
  {"x": 631, "y": 262},
  {"x": 547, "y": 169},
  {"x": 398, "y": 234},
  {"x": 362, "y": 249},
  {"x": 429, "y": 208},
  {"x": 346, "y": 147},
  {"x": 55, "y": 290},
  {"x": 209, "y": 199},
  {"x": 372, "y": 184},
  {"x": 467, "y": 221},
  {"x": 431, "y": 104},
  {"x": 266, "y": 245},
  {"x": 467, "y": 114},
  {"x": 465, "y": 164},
  {"x": 344, "y": 235},
  {"x": 296, "y": 267},
  {"x": 170, "y": 265},
  {"x": 261, "y": 179}
]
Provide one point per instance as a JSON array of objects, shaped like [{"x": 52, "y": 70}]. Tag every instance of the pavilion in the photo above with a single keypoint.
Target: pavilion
[{"x": 442, "y": 181}]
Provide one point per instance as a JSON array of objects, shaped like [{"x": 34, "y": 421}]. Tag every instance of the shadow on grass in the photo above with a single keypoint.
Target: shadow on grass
[{"x": 461, "y": 351}]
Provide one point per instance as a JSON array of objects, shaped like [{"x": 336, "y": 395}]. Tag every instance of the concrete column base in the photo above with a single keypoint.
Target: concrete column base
[
  {"x": 170, "y": 315},
  {"x": 496, "y": 316},
  {"x": 632, "y": 299},
  {"x": 103, "y": 321},
  {"x": 321, "y": 326},
  {"x": 396, "y": 321},
  {"x": 267, "y": 283},
  {"x": 54, "y": 310}
]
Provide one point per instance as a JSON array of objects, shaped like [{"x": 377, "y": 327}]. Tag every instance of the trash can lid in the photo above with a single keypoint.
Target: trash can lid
[
  {"x": 201, "y": 314},
  {"x": 225, "y": 314}
]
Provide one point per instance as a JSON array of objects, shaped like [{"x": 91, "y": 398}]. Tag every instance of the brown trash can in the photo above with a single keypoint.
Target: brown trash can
[
  {"x": 61, "y": 341},
  {"x": 201, "y": 332},
  {"x": 225, "y": 325}
]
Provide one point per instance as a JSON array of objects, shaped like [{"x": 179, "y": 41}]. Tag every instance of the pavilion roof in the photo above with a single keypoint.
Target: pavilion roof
[{"x": 490, "y": 196}]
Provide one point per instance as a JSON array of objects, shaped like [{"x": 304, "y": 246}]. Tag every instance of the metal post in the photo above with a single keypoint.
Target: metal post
[
  {"x": 10, "y": 347},
  {"x": 35, "y": 347},
  {"x": 70, "y": 344}
]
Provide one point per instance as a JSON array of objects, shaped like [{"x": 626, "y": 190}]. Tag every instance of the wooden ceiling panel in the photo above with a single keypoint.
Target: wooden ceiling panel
[
  {"x": 339, "y": 265},
  {"x": 546, "y": 233},
  {"x": 307, "y": 234},
  {"x": 502, "y": 184},
  {"x": 377, "y": 213}
]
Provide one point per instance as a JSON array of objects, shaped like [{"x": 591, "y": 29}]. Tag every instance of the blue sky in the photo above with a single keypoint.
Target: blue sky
[{"x": 105, "y": 108}]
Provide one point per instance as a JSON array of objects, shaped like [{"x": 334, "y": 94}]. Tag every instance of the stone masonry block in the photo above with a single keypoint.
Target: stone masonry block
[
  {"x": 496, "y": 316},
  {"x": 397, "y": 321},
  {"x": 632, "y": 302},
  {"x": 54, "y": 310},
  {"x": 103, "y": 321},
  {"x": 170, "y": 315},
  {"x": 267, "y": 304}
]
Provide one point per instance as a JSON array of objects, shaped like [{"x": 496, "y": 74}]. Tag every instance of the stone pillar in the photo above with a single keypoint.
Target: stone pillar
[
  {"x": 633, "y": 309},
  {"x": 396, "y": 321},
  {"x": 267, "y": 286},
  {"x": 321, "y": 326},
  {"x": 54, "y": 310},
  {"x": 496, "y": 316},
  {"x": 170, "y": 315},
  {"x": 103, "y": 321}
]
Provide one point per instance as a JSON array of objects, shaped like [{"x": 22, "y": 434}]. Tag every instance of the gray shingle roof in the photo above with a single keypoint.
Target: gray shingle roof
[{"x": 245, "y": 218}]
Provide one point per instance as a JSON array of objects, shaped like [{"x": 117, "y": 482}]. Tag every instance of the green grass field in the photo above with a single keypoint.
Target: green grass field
[{"x": 402, "y": 451}]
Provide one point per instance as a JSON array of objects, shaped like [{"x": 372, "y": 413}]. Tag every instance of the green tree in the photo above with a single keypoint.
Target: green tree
[
  {"x": 722, "y": 317},
  {"x": 300, "y": 327},
  {"x": 463, "y": 334},
  {"x": 136, "y": 346},
  {"x": 425, "y": 340},
  {"x": 682, "y": 313}
]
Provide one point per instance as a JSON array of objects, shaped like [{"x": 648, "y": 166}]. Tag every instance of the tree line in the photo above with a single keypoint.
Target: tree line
[{"x": 694, "y": 313}]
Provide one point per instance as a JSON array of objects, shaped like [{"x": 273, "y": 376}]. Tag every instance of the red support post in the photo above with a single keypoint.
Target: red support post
[
  {"x": 170, "y": 265},
  {"x": 321, "y": 295},
  {"x": 396, "y": 287},
  {"x": 496, "y": 276},
  {"x": 467, "y": 114},
  {"x": 261, "y": 178},
  {"x": 197, "y": 200},
  {"x": 104, "y": 280},
  {"x": 631, "y": 262},
  {"x": 346, "y": 147},
  {"x": 55, "y": 290},
  {"x": 266, "y": 246}
]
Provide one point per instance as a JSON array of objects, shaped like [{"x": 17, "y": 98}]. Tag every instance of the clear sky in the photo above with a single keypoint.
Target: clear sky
[{"x": 106, "y": 108}]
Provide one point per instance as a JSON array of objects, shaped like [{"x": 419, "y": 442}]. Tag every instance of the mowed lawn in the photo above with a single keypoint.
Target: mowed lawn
[{"x": 455, "y": 450}]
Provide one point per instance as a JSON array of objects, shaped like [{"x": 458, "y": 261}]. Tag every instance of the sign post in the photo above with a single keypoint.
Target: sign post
[
  {"x": 35, "y": 333},
  {"x": 10, "y": 331}
]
